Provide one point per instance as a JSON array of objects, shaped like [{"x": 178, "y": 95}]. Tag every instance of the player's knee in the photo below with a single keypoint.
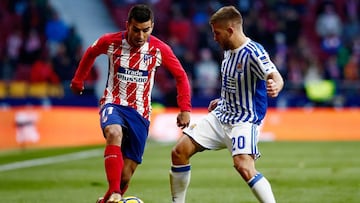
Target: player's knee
[
  {"x": 175, "y": 153},
  {"x": 113, "y": 134},
  {"x": 244, "y": 171},
  {"x": 178, "y": 157},
  {"x": 245, "y": 168}
]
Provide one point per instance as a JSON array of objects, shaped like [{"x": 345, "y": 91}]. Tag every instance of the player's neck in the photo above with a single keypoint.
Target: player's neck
[{"x": 239, "y": 41}]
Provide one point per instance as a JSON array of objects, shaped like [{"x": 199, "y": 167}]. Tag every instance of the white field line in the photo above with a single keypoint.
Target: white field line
[{"x": 51, "y": 160}]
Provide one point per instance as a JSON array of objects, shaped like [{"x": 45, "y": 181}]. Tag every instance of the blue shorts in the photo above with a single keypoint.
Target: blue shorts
[{"x": 135, "y": 129}]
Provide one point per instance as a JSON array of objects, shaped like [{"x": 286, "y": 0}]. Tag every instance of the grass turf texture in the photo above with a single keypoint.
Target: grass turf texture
[{"x": 298, "y": 171}]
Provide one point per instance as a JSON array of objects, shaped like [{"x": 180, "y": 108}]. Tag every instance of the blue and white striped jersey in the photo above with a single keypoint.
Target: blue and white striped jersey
[{"x": 243, "y": 85}]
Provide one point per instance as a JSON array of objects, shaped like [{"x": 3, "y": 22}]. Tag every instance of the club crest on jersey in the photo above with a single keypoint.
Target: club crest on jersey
[
  {"x": 192, "y": 126},
  {"x": 239, "y": 68},
  {"x": 147, "y": 59}
]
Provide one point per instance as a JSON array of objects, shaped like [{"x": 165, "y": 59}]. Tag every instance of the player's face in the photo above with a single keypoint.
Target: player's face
[
  {"x": 138, "y": 33},
  {"x": 221, "y": 35}
]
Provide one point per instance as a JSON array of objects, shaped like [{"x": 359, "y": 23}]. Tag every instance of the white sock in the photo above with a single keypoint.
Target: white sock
[
  {"x": 179, "y": 182},
  {"x": 261, "y": 188}
]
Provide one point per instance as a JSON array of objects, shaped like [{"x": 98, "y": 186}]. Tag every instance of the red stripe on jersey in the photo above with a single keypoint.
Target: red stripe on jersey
[
  {"x": 135, "y": 56},
  {"x": 152, "y": 63}
]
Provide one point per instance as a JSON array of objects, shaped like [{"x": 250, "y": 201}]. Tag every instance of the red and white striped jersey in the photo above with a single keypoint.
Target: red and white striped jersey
[{"x": 132, "y": 70}]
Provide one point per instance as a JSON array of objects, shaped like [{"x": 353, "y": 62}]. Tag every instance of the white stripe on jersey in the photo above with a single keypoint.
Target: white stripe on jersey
[
  {"x": 243, "y": 90},
  {"x": 110, "y": 83},
  {"x": 132, "y": 76}
]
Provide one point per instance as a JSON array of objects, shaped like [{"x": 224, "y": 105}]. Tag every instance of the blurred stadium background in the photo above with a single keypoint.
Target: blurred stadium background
[{"x": 315, "y": 45}]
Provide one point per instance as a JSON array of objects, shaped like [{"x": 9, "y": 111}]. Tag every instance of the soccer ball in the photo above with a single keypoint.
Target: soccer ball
[{"x": 131, "y": 199}]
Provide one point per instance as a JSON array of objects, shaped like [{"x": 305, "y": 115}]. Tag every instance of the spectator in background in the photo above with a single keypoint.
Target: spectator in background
[
  {"x": 63, "y": 64},
  {"x": 329, "y": 28},
  {"x": 351, "y": 69},
  {"x": 180, "y": 28},
  {"x": 32, "y": 47},
  {"x": 56, "y": 32},
  {"x": 332, "y": 70},
  {"x": 206, "y": 75},
  {"x": 351, "y": 25},
  {"x": 42, "y": 72},
  {"x": 14, "y": 44},
  {"x": 73, "y": 43}
]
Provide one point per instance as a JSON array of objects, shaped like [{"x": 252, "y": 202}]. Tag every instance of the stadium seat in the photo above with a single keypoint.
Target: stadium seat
[
  {"x": 38, "y": 90},
  {"x": 3, "y": 89},
  {"x": 18, "y": 89},
  {"x": 56, "y": 90}
]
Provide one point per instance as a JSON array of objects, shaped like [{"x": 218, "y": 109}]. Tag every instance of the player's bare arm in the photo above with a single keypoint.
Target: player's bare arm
[
  {"x": 183, "y": 119},
  {"x": 274, "y": 84}
]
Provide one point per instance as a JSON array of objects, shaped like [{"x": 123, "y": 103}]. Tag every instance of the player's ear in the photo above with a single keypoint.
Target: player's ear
[
  {"x": 127, "y": 25},
  {"x": 230, "y": 30}
]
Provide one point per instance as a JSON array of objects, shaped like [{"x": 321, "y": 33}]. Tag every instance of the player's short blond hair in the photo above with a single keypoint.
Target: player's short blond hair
[{"x": 225, "y": 15}]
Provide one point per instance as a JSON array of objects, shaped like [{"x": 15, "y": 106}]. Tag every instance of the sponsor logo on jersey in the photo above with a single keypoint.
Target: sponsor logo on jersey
[
  {"x": 129, "y": 75},
  {"x": 266, "y": 62}
]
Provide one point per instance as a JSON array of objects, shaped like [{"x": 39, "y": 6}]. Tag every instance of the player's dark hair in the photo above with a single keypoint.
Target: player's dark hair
[{"x": 141, "y": 13}]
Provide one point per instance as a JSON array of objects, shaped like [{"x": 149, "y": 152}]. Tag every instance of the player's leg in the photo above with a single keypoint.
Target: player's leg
[
  {"x": 111, "y": 123},
  {"x": 180, "y": 172},
  {"x": 133, "y": 144},
  {"x": 259, "y": 185},
  {"x": 113, "y": 160},
  {"x": 244, "y": 151},
  {"x": 206, "y": 134},
  {"x": 128, "y": 171}
]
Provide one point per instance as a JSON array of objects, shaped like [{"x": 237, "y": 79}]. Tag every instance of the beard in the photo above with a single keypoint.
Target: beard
[{"x": 225, "y": 45}]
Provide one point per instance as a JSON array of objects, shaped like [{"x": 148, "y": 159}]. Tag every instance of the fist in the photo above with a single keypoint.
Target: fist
[
  {"x": 77, "y": 87},
  {"x": 271, "y": 88}
]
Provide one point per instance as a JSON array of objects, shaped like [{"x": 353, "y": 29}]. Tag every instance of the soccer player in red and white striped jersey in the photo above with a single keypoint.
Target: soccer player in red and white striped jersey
[{"x": 134, "y": 55}]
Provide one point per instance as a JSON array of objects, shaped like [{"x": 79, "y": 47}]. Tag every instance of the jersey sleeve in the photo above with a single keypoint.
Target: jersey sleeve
[
  {"x": 264, "y": 65},
  {"x": 88, "y": 59},
  {"x": 171, "y": 63}
]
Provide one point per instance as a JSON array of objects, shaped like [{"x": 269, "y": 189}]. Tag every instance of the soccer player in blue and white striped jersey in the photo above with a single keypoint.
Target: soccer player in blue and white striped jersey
[{"x": 248, "y": 77}]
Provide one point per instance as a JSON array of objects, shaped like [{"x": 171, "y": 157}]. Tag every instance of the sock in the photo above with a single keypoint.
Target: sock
[
  {"x": 113, "y": 167},
  {"x": 261, "y": 188},
  {"x": 179, "y": 182}
]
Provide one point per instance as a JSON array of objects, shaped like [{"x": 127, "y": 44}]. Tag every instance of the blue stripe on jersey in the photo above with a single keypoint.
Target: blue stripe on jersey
[{"x": 244, "y": 97}]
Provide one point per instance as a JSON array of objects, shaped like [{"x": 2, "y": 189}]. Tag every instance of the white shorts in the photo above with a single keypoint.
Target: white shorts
[{"x": 210, "y": 133}]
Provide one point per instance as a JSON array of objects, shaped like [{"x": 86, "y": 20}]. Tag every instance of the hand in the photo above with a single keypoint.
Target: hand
[
  {"x": 272, "y": 88},
  {"x": 77, "y": 87},
  {"x": 183, "y": 119},
  {"x": 213, "y": 104}
]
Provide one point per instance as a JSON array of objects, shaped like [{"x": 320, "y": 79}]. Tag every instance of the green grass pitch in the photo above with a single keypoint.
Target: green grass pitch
[{"x": 298, "y": 171}]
